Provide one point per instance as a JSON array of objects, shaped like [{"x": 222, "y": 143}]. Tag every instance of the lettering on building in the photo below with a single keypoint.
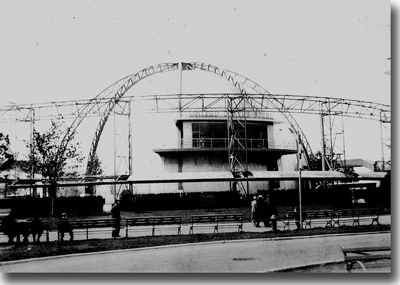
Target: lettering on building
[{"x": 216, "y": 114}]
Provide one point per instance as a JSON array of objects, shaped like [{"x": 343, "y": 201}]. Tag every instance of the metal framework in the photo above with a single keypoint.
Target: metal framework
[
  {"x": 251, "y": 95},
  {"x": 237, "y": 145},
  {"x": 301, "y": 104}
]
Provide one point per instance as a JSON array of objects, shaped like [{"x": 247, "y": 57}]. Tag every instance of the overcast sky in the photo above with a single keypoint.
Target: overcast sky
[{"x": 66, "y": 50}]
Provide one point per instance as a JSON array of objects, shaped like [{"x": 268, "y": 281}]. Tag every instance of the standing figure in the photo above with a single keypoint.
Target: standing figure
[
  {"x": 65, "y": 227},
  {"x": 267, "y": 209},
  {"x": 36, "y": 228},
  {"x": 273, "y": 211},
  {"x": 297, "y": 216},
  {"x": 23, "y": 227},
  {"x": 253, "y": 210},
  {"x": 116, "y": 214},
  {"x": 259, "y": 211},
  {"x": 8, "y": 227}
]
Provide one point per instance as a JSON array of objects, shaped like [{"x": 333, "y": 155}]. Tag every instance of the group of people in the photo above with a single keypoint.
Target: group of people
[
  {"x": 13, "y": 227},
  {"x": 65, "y": 227},
  {"x": 263, "y": 210}
]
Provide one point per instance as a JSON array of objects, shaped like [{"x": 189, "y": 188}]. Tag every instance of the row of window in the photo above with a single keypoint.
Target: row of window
[{"x": 220, "y": 130}]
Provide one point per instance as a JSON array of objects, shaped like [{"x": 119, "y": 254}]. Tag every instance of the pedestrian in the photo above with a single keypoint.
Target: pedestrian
[
  {"x": 267, "y": 211},
  {"x": 65, "y": 227},
  {"x": 116, "y": 214},
  {"x": 253, "y": 210},
  {"x": 23, "y": 227},
  {"x": 259, "y": 211},
  {"x": 36, "y": 229},
  {"x": 297, "y": 216},
  {"x": 273, "y": 212},
  {"x": 270, "y": 212},
  {"x": 8, "y": 226}
]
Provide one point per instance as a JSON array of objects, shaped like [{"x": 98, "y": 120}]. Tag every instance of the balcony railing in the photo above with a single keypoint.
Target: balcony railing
[{"x": 222, "y": 143}]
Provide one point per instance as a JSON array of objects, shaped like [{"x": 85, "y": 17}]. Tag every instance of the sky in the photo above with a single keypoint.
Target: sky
[{"x": 70, "y": 50}]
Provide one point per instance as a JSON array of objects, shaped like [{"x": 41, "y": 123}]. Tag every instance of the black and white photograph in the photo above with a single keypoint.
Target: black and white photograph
[{"x": 197, "y": 137}]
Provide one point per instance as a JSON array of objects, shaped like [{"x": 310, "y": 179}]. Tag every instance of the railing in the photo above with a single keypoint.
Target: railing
[{"x": 223, "y": 143}]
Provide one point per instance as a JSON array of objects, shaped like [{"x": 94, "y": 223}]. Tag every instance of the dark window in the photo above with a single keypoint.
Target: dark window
[{"x": 215, "y": 134}]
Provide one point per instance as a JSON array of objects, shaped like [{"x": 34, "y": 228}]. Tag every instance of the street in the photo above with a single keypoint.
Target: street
[{"x": 233, "y": 256}]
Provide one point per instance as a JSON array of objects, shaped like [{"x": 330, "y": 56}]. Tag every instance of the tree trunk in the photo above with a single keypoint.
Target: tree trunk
[{"x": 53, "y": 194}]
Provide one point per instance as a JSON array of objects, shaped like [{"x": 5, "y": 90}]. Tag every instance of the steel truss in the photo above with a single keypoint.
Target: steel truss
[
  {"x": 202, "y": 102},
  {"x": 254, "y": 97}
]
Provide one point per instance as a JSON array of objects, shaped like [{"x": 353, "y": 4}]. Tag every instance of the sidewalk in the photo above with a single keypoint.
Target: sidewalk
[{"x": 106, "y": 232}]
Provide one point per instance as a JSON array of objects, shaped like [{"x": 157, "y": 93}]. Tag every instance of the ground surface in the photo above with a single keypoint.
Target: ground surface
[
  {"x": 24, "y": 251},
  {"x": 240, "y": 256}
]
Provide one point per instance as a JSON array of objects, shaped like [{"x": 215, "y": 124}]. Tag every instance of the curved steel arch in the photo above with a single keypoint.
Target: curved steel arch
[
  {"x": 129, "y": 82},
  {"x": 280, "y": 106},
  {"x": 228, "y": 75},
  {"x": 233, "y": 78},
  {"x": 117, "y": 90}
]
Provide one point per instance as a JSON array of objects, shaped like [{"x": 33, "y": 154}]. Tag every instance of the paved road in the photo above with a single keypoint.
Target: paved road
[{"x": 238, "y": 256}]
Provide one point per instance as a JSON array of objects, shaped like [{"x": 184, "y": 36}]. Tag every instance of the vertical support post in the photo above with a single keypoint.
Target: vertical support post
[
  {"x": 322, "y": 143},
  {"x": 344, "y": 143},
  {"x": 115, "y": 154},
  {"x": 331, "y": 153},
  {"x": 300, "y": 183},
  {"x": 130, "y": 145},
  {"x": 87, "y": 230},
  {"x": 322, "y": 148},
  {"x": 382, "y": 148},
  {"x": 180, "y": 89},
  {"x": 32, "y": 174}
]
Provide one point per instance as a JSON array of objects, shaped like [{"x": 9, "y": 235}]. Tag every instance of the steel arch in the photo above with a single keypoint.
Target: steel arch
[
  {"x": 239, "y": 80},
  {"x": 129, "y": 82},
  {"x": 228, "y": 75},
  {"x": 280, "y": 106}
]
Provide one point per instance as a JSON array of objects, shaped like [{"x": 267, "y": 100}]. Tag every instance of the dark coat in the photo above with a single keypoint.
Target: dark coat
[
  {"x": 116, "y": 212},
  {"x": 36, "y": 226}
]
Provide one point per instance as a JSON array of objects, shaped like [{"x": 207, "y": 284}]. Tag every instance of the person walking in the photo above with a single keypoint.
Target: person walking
[{"x": 116, "y": 214}]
